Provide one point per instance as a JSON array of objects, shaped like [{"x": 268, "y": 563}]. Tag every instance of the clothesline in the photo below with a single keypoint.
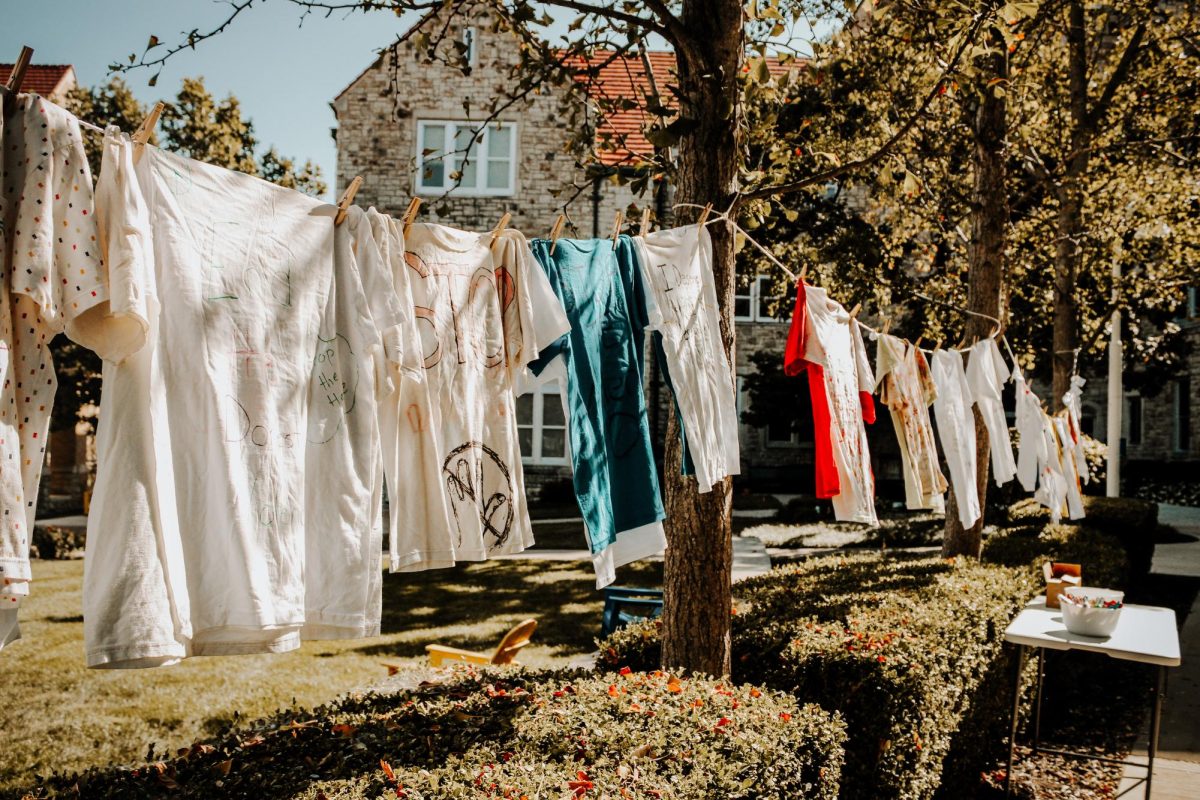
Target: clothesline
[
  {"x": 792, "y": 276},
  {"x": 725, "y": 217}
]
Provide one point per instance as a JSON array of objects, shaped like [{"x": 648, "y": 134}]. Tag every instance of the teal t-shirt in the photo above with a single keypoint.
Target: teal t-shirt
[{"x": 616, "y": 481}]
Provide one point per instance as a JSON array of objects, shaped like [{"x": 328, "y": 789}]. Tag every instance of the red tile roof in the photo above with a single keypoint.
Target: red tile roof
[
  {"x": 44, "y": 79},
  {"x": 620, "y": 135}
]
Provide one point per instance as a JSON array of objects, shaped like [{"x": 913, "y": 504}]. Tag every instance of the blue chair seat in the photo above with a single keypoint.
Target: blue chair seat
[{"x": 624, "y": 605}]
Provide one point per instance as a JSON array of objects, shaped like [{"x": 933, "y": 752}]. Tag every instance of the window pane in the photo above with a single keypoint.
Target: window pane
[
  {"x": 433, "y": 144},
  {"x": 553, "y": 443},
  {"x": 500, "y": 141},
  {"x": 779, "y": 432},
  {"x": 741, "y": 305},
  {"x": 552, "y": 411},
  {"x": 497, "y": 174},
  {"x": 462, "y": 140},
  {"x": 525, "y": 409},
  {"x": 434, "y": 139},
  {"x": 525, "y": 437}
]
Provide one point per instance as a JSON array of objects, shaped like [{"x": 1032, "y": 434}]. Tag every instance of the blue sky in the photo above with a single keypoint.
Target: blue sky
[{"x": 284, "y": 73}]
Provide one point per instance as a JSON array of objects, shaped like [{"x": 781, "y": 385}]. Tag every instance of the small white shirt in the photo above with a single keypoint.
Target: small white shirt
[
  {"x": 986, "y": 375},
  {"x": 956, "y": 429},
  {"x": 681, "y": 304}
]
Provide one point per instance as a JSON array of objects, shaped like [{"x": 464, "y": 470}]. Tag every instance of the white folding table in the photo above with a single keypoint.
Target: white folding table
[{"x": 1146, "y": 634}]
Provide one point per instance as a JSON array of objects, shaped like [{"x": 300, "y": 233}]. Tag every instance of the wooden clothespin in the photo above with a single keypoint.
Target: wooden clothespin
[
  {"x": 142, "y": 135},
  {"x": 887, "y": 323},
  {"x": 644, "y": 227},
  {"x": 410, "y": 213},
  {"x": 704, "y": 215},
  {"x": 854, "y": 311},
  {"x": 556, "y": 231},
  {"x": 616, "y": 233},
  {"x": 17, "y": 76},
  {"x": 917, "y": 343},
  {"x": 940, "y": 341},
  {"x": 347, "y": 199},
  {"x": 500, "y": 226}
]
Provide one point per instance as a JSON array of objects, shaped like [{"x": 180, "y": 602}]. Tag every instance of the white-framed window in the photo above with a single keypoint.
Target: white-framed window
[
  {"x": 1133, "y": 420},
  {"x": 754, "y": 303},
  {"x": 780, "y": 433},
  {"x": 449, "y": 162},
  {"x": 1183, "y": 415},
  {"x": 542, "y": 427}
]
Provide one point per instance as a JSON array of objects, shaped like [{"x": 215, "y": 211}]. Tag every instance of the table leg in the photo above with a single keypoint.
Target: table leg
[
  {"x": 1160, "y": 683},
  {"x": 1037, "y": 701},
  {"x": 1019, "y": 664}
]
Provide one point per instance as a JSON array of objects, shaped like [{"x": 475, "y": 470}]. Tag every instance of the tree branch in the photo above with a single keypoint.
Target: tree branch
[
  {"x": 886, "y": 147},
  {"x": 1118, "y": 76}
]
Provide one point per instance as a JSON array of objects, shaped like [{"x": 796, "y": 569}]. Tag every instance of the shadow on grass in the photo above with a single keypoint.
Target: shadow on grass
[{"x": 471, "y": 605}]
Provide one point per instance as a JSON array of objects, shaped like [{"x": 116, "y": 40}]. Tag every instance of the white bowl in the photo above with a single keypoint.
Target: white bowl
[{"x": 1087, "y": 621}]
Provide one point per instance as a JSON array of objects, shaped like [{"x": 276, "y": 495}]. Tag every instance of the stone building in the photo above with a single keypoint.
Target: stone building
[{"x": 396, "y": 125}]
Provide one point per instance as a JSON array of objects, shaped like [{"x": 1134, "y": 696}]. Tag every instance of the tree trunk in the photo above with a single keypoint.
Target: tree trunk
[
  {"x": 1068, "y": 251},
  {"x": 697, "y": 602},
  {"x": 985, "y": 277}
]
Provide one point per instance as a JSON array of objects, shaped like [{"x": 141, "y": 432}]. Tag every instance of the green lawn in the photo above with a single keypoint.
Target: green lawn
[{"x": 56, "y": 714}]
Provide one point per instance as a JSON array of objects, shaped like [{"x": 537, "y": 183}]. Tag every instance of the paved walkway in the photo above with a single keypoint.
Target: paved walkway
[
  {"x": 1177, "y": 767},
  {"x": 749, "y": 556}
]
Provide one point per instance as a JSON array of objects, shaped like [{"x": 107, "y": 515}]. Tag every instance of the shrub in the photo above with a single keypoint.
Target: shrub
[
  {"x": 1104, "y": 559},
  {"x": 1119, "y": 515},
  {"x": 903, "y": 648},
  {"x": 557, "y": 734}
]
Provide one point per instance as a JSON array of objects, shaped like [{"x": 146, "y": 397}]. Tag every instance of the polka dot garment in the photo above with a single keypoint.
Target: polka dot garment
[{"x": 51, "y": 274}]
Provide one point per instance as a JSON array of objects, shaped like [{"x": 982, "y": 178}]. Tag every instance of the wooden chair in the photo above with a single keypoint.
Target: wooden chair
[{"x": 506, "y": 652}]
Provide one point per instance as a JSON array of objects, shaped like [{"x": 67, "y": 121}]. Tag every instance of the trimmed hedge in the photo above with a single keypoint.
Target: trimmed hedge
[
  {"x": 1103, "y": 557},
  {"x": 490, "y": 735},
  {"x": 907, "y": 650},
  {"x": 1118, "y": 515}
]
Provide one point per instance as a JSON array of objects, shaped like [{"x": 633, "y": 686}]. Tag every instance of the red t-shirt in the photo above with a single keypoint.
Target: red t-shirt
[{"x": 794, "y": 363}]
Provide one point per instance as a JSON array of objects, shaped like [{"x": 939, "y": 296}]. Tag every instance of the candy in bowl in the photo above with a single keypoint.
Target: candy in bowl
[{"x": 1091, "y": 611}]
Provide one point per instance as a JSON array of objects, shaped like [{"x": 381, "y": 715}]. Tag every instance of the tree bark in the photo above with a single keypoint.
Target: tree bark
[
  {"x": 985, "y": 260},
  {"x": 1068, "y": 252},
  {"x": 697, "y": 599}
]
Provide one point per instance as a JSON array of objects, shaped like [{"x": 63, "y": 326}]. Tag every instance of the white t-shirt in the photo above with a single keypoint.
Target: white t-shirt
[
  {"x": 833, "y": 342},
  {"x": 682, "y": 305},
  {"x": 483, "y": 313},
  {"x": 986, "y": 375},
  {"x": 208, "y": 424},
  {"x": 1073, "y": 401},
  {"x": 956, "y": 429},
  {"x": 1031, "y": 453},
  {"x": 907, "y": 389},
  {"x": 343, "y": 461},
  {"x": 51, "y": 281}
]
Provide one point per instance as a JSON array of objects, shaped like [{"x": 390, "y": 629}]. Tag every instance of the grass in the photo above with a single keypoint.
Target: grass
[{"x": 56, "y": 714}]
